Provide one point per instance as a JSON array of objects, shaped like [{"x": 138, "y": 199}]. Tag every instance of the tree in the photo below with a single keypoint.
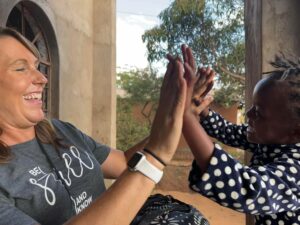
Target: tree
[
  {"x": 141, "y": 87},
  {"x": 214, "y": 30},
  {"x": 129, "y": 130}
]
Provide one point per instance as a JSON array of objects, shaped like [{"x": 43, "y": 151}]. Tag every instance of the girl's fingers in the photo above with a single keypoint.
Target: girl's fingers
[
  {"x": 208, "y": 89},
  {"x": 203, "y": 105}
]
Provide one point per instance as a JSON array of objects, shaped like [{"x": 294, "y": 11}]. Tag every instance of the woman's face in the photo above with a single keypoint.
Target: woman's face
[{"x": 21, "y": 86}]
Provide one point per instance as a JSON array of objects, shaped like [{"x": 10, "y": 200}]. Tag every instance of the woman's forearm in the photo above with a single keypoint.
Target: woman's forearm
[
  {"x": 137, "y": 147},
  {"x": 119, "y": 204}
]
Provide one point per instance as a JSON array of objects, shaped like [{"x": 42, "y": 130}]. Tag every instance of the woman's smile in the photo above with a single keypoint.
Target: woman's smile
[{"x": 34, "y": 98}]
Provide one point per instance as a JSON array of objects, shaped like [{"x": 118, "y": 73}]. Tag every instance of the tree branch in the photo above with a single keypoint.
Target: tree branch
[{"x": 236, "y": 76}]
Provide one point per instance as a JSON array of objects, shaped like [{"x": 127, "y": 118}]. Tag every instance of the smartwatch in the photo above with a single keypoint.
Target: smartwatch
[{"x": 139, "y": 162}]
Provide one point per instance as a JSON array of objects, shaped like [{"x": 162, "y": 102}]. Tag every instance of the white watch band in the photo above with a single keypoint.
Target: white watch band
[{"x": 140, "y": 163}]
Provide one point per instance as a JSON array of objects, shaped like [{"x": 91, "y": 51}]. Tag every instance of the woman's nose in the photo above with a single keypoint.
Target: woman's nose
[{"x": 40, "y": 78}]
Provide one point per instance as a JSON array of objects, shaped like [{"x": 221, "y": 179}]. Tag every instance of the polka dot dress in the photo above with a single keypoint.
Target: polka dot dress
[{"x": 269, "y": 188}]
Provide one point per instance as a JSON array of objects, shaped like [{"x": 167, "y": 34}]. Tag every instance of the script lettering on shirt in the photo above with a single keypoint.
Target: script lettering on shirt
[
  {"x": 42, "y": 179},
  {"x": 68, "y": 161}
]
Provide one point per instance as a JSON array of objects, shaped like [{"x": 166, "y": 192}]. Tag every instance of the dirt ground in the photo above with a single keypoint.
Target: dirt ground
[{"x": 214, "y": 213}]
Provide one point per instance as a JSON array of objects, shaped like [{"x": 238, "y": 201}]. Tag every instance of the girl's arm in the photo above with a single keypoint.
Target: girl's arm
[
  {"x": 226, "y": 132},
  {"x": 259, "y": 189}
]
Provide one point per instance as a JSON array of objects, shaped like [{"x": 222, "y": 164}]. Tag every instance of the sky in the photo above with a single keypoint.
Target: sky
[{"x": 134, "y": 17}]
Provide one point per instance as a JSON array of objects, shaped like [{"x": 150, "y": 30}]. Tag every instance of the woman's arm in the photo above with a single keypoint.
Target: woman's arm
[
  {"x": 120, "y": 203},
  {"x": 116, "y": 162}
]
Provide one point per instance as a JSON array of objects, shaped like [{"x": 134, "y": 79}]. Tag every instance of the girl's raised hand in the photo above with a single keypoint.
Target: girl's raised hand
[
  {"x": 199, "y": 83},
  {"x": 202, "y": 87}
]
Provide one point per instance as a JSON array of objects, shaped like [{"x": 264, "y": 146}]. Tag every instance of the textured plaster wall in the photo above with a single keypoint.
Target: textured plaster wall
[
  {"x": 86, "y": 39},
  {"x": 74, "y": 21},
  {"x": 104, "y": 70},
  {"x": 280, "y": 28}
]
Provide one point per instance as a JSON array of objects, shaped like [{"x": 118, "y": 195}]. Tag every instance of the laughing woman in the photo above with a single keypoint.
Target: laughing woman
[{"x": 51, "y": 172}]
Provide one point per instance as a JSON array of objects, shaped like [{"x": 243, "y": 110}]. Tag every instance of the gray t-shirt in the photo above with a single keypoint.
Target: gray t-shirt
[{"x": 33, "y": 192}]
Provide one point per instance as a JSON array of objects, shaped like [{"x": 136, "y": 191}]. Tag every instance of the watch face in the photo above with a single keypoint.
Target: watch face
[{"x": 134, "y": 160}]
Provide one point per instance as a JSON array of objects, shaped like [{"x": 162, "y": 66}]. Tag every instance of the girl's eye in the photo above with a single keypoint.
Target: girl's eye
[{"x": 256, "y": 111}]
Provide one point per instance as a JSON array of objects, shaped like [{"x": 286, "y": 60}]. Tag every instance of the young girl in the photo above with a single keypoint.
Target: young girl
[{"x": 269, "y": 187}]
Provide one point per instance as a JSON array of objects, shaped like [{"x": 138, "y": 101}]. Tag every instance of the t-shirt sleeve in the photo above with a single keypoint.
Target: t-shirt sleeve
[
  {"x": 268, "y": 189},
  {"x": 10, "y": 215},
  {"x": 74, "y": 135},
  {"x": 100, "y": 151}
]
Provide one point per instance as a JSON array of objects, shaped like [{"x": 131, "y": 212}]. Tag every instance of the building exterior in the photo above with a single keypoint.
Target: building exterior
[
  {"x": 77, "y": 43},
  {"x": 77, "y": 40}
]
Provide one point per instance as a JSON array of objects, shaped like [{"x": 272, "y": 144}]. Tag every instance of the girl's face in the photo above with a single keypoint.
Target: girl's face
[
  {"x": 269, "y": 119},
  {"x": 21, "y": 86}
]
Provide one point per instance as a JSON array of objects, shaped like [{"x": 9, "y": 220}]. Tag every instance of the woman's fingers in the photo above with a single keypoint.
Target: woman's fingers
[
  {"x": 191, "y": 59},
  {"x": 169, "y": 71}
]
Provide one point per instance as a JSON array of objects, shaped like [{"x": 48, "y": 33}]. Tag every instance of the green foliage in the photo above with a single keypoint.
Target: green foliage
[
  {"x": 142, "y": 87},
  {"x": 214, "y": 30},
  {"x": 129, "y": 130}
]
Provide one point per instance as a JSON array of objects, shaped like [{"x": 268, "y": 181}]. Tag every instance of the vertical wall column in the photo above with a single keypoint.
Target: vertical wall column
[
  {"x": 253, "y": 29},
  {"x": 104, "y": 72},
  {"x": 280, "y": 29}
]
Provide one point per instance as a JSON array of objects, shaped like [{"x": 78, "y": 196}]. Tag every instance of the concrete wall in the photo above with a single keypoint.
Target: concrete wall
[
  {"x": 280, "y": 28},
  {"x": 104, "y": 70},
  {"x": 86, "y": 39},
  {"x": 74, "y": 30}
]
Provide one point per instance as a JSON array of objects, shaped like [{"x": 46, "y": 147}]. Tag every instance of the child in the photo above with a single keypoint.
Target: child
[{"x": 269, "y": 187}]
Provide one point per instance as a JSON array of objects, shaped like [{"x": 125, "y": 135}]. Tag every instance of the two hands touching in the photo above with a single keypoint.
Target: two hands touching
[
  {"x": 183, "y": 97},
  {"x": 183, "y": 94}
]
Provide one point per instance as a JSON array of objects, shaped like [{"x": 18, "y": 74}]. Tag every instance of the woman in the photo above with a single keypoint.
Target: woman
[{"x": 51, "y": 173}]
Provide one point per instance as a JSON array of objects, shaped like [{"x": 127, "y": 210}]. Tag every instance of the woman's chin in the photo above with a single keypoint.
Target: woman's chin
[{"x": 38, "y": 117}]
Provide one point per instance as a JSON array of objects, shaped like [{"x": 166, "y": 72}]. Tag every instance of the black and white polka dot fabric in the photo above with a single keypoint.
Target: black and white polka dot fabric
[{"x": 268, "y": 188}]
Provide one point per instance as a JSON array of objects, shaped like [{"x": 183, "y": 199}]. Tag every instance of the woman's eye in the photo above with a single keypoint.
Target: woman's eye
[{"x": 21, "y": 69}]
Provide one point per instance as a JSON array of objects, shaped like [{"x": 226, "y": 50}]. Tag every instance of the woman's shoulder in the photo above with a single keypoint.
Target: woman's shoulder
[
  {"x": 61, "y": 123},
  {"x": 65, "y": 128}
]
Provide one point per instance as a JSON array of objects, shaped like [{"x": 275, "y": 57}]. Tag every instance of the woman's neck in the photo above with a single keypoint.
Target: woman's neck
[{"x": 15, "y": 136}]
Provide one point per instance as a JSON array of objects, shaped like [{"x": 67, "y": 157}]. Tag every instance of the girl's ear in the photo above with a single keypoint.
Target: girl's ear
[{"x": 296, "y": 133}]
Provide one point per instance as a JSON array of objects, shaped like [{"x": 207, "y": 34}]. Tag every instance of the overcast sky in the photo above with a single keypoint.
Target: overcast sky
[{"x": 133, "y": 18}]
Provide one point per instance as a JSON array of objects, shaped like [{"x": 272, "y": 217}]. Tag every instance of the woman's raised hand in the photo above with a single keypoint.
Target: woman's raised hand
[{"x": 167, "y": 125}]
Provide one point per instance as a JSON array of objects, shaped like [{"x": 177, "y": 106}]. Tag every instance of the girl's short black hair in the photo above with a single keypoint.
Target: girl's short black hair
[{"x": 287, "y": 73}]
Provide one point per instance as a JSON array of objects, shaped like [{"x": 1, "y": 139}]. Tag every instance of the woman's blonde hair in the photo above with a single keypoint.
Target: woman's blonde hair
[{"x": 44, "y": 130}]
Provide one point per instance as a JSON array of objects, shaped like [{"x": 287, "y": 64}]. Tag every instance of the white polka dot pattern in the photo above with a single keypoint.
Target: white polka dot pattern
[{"x": 268, "y": 188}]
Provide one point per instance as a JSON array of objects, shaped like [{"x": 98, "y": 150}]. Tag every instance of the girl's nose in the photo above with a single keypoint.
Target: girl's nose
[{"x": 250, "y": 112}]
